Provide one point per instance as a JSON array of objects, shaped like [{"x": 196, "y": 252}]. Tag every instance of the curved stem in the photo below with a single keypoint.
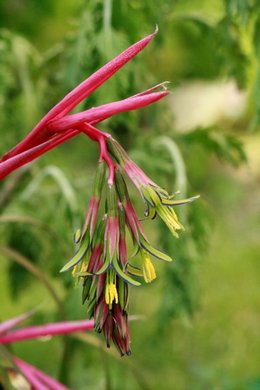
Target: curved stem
[
  {"x": 177, "y": 159},
  {"x": 179, "y": 164},
  {"x": 100, "y": 136}
]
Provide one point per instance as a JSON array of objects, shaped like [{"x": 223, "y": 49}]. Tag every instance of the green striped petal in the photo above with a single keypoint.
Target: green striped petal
[
  {"x": 170, "y": 202},
  {"x": 150, "y": 212},
  {"x": 153, "y": 251},
  {"x": 84, "y": 274},
  {"x": 124, "y": 276},
  {"x": 134, "y": 270},
  {"x": 79, "y": 254},
  {"x": 77, "y": 236},
  {"x": 104, "y": 266}
]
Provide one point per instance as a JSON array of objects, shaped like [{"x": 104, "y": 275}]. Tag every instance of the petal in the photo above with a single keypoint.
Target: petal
[
  {"x": 104, "y": 267},
  {"x": 150, "y": 212},
  {"x": 170, "y": 202},
  {"x": 153, "y": 251},
  {"x": 79, "y": 254},
  {"x": 123, "y": 275},
  {"x": 134, "y": 270}
]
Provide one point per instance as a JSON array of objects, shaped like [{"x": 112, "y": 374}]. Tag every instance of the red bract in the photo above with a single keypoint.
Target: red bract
[{"x": 56, "y": 126}]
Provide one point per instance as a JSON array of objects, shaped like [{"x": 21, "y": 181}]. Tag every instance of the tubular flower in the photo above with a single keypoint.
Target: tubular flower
[
  {"x": 101, "y": 262},
  {"x": 148, "y": 267},
  {"x": 157, "y": 200}
]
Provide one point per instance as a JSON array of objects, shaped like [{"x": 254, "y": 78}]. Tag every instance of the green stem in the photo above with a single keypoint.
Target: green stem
[{"x": 178, "y": 163}]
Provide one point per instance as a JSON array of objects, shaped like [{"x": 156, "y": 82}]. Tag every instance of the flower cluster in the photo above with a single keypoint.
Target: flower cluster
[{"x": 102, "y": 260}]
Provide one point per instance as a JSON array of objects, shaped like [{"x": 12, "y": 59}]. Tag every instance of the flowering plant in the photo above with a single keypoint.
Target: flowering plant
[{"x": 102, "y": 262}]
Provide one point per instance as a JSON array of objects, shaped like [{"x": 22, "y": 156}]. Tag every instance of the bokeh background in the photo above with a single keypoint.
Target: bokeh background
[{"x": 199, "y": 325}]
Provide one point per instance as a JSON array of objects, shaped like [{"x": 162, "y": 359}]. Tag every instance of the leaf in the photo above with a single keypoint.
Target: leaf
[{"x": 225, "y": 146}]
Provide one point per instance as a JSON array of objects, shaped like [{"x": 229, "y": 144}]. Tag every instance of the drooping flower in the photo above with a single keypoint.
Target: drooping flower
[
  {"x": 157, "y": 200},
  {"x": 102, "y": 264}
]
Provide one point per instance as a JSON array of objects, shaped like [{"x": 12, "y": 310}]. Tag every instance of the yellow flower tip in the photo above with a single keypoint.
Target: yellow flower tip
[
  {"x": 83, "y": 268},
  {"x": 149, "y": 273},
  {"x": 111, "y": 294}
]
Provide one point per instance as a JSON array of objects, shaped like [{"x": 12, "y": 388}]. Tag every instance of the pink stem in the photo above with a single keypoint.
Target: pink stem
[
  {"x": 58, "y": 328},
  {"x": 39, "y": 133},
  {"x": 100, "y": 137}
]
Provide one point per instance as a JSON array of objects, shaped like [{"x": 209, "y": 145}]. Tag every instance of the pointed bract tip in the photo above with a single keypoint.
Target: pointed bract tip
[
  {"x": 165, "y": 84},
  {"x": 151, "y": 36},
  {"x": 77, "y": 236},
  {"x": 194, "y": 198}
]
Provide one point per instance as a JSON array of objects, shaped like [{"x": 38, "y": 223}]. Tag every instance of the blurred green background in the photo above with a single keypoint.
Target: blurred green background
[{"x": 200, "y": 318}]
